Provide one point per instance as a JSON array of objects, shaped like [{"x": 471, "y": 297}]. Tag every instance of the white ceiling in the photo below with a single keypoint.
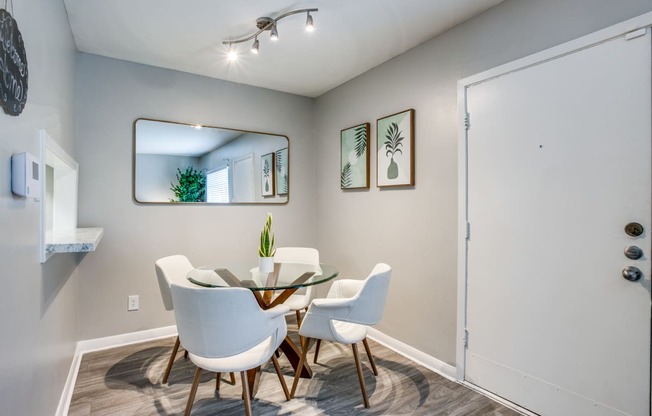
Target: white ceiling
[
  {"x": 173, "y": 139},
  {"x": 350, "y": 37}
]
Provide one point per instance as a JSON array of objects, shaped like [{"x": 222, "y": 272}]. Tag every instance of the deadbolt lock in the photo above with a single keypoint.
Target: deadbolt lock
[{"x": 634, "y": 229}]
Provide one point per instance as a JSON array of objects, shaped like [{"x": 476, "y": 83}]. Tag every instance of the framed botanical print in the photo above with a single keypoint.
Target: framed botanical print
[
  {"x": 282, "y": 171},
  {"x": 354, "y": 157},
  {"x": 267, "y": 170},
  {"x": 395, "y": 150}
]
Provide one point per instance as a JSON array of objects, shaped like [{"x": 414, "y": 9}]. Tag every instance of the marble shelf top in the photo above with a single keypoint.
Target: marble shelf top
[{"x": 76, "y": 240}]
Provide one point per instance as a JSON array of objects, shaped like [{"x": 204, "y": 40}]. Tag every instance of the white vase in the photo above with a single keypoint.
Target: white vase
[{"x": 266, "y": 264}]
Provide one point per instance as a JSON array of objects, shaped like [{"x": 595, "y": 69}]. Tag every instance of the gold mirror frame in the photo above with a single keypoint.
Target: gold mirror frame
[{"x": 164, "y": 149}]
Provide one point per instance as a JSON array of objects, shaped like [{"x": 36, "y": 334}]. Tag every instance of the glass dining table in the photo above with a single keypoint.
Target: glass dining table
[{"x": 270, "y": 290}]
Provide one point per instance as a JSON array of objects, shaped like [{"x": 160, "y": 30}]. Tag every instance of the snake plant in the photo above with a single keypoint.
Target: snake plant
[{"x": 266, "y": 248}]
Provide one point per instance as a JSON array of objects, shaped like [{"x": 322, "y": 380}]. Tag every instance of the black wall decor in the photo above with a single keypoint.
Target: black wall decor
[{"x": 13, "y": 66}]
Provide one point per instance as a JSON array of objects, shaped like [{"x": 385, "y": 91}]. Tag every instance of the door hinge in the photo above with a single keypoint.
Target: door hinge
[
  {"x": 468, "y": 230},
  {"x": 635, "y": 34},
  {"x": 467, "y": 121},
  {"x": 466, "y": 338}
]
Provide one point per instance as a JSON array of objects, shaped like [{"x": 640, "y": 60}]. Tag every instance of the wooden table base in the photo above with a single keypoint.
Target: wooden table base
[{"x": 288, "y": 347}]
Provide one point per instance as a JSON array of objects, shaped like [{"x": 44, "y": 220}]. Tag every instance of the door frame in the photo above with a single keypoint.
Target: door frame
[{"x": 628, "y": 28}]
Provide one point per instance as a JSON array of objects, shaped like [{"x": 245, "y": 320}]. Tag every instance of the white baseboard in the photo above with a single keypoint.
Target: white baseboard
[
  {"x": 413, "y": 354},
  {"x": 102, "y": 344},
  {"x": 443, "y": 369},
  {"x": 66, "y": 395},
  {"x": 126, "y": 339}
]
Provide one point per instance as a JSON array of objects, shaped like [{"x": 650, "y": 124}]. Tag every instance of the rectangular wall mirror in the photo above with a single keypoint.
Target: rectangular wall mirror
[{"x": 184, "y": 163}]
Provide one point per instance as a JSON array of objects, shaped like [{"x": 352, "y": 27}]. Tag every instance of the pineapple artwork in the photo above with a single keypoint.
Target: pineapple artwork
[
  {"x": 267, "y": 170},
  {"x": 393, "y": 144},
  {"x": 395, "y": 150}
]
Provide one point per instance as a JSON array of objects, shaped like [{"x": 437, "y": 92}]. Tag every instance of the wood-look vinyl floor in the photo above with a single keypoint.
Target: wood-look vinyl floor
[{"x": 127, "y": 381}]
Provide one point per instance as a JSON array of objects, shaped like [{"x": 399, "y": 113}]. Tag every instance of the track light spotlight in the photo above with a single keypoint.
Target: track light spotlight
[
  {"x": 310, "y": 26},
  {"x": 232, "y": 54},
  {"x": 255, "y": 47},
  {"x": 274, "y": 35}
]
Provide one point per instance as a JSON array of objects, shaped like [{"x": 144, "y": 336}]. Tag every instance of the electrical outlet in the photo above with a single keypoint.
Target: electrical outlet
[{"x": 132, "y": 303}]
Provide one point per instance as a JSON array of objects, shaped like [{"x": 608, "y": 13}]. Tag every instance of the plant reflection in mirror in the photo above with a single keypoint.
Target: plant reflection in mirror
[{"x": 191, "y": 186}]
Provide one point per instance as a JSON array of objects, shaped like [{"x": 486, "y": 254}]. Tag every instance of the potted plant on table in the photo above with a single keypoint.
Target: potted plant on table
[{"x": 266, "y": 249}]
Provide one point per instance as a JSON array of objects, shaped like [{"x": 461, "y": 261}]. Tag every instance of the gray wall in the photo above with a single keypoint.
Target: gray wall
[
  {"x": 156, "y": 174},
  {"x": 38, "y": 303},
  {"x": 111, "y": 95},
  {"x": 415, "y": 230}
]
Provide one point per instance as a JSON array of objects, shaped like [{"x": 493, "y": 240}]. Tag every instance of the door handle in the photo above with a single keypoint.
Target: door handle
[{"x": 632, "y": 273}]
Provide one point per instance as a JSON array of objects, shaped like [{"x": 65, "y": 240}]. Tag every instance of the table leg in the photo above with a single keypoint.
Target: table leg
[{"x": 293, "y": 354}]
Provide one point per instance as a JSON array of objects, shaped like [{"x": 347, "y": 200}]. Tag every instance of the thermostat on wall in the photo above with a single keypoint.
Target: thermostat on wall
[{"x": 25, "y": 179}]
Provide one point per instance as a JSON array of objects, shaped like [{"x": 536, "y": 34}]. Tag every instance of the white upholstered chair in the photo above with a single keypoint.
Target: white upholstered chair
[
  {"x": 168, "y": 270},
  {"x": 225, "y": 330},
  {"x": 299, "y": 255},
  {"x": 173, "y": 269},
  {"x": 343, "y": 316}
]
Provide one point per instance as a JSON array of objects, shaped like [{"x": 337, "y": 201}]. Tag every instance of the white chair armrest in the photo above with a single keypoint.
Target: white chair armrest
[
  {"x": 331, "y": 303},
  {"x": 277, "y": 311},
  {"x": 345, "y": 288}
]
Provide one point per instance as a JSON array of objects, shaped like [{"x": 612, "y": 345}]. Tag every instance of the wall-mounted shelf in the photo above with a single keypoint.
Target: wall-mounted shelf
[
  {"x": 77, "y": 240},
  {"x": 59, "y": 232}
]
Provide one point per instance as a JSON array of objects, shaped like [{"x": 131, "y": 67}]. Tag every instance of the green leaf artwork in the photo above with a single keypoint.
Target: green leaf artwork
[
  {"x": 282, "y": 171},
  {"x": 345, "y": 179},
  {"x": 354, "y": 167},
  {"x": 360, "y": 140}
]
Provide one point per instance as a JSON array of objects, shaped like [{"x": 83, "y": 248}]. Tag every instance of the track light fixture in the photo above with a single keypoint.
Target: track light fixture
[{"x": 267, "y": 23}]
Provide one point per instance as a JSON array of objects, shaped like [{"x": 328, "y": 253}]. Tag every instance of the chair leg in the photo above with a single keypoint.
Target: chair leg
[
  {"x": 317, "y": 350},
  {"x": 218, "y": 379},
  {"x": 302, "y": 361},
  {"x": 171, "y": 360},
  {"x": 371, "y": 359},
  {"x": 245, "y": 393},
  {"x": 358, "y": 367},
  {"x": 185, "y": 354},
  {"x": 298, "y": 313},
  {"x": 280, "y": 377},
  {"x": 193, "y": 391}
]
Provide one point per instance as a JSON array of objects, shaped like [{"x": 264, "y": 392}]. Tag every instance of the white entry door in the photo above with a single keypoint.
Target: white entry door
[{"x": 559, "y": 162}]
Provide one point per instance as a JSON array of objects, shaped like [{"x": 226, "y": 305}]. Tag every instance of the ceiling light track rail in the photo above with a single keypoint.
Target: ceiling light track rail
[{"x": 267, "y": 23}]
